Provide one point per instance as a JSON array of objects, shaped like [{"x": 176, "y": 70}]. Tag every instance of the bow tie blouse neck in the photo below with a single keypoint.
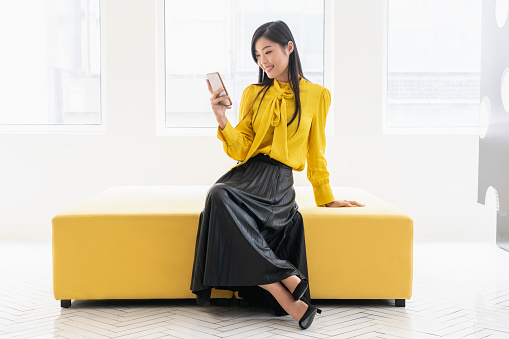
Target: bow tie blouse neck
[
  {"x": 275, "y": 115},
  {"x": 263, "y": 128}
]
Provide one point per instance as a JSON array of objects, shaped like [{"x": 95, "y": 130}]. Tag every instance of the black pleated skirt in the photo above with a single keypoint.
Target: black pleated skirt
[{"x": 250, "y": 232}]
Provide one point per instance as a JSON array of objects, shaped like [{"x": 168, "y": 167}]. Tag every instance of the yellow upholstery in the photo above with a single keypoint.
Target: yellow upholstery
[
  {"x": 357, "y": 252},
  {"x": 137, "y": 242}
]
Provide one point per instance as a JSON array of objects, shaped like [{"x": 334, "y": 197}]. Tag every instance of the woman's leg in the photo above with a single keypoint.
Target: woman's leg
[
  {"x": 295, "y": 309},
  {"x": 291, "y": 282}
]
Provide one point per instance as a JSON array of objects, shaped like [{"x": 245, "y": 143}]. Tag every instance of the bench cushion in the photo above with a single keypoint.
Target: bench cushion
[{"x": 137, "y": 242}]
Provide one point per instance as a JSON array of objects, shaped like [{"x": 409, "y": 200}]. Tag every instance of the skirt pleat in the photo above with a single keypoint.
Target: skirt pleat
[{"x": 250, "y": 232}]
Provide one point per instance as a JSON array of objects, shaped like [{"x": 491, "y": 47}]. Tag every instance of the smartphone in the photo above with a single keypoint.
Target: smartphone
[{"x": 216, "y": 83}]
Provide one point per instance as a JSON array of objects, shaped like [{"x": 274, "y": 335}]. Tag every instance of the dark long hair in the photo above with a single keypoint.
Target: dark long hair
[{"x": 279, "y": 32}]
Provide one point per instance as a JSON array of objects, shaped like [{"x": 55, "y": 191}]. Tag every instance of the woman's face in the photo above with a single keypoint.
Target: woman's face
[{"x": 273, "y": 59}]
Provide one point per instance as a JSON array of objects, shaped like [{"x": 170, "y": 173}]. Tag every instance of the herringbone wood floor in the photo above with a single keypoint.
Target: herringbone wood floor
[{"x": 460, "y": 291}]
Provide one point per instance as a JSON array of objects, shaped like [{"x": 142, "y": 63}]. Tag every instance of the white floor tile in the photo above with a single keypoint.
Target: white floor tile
[{"x": 459, "y": 291}]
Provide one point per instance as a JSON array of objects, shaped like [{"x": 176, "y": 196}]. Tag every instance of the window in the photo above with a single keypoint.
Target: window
[
  {"x": 50, "y": 64},
  {"x": 201, "y": 36},
  {"x": 433, "y": 65}
]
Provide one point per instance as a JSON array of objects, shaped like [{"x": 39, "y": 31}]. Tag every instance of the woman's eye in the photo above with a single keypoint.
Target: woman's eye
[{"x": 268, "y": 52}]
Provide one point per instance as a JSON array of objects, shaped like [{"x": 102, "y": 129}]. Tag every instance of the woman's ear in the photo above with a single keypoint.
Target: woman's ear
[{"x": 289, "y": 47}]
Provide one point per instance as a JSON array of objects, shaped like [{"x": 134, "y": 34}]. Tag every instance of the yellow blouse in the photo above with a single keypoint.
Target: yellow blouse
[{"x": 265, "y": 130}]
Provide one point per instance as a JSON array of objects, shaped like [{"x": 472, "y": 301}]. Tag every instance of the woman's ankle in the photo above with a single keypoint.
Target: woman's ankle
[{"x": 291, "y": 282}]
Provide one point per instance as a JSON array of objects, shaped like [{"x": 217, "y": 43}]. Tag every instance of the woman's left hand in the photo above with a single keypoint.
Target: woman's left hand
[{"x": 344, "y": 203}]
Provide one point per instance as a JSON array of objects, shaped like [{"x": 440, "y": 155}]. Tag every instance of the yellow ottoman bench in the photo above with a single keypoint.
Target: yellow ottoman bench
[{"x": 137, "y": 242}]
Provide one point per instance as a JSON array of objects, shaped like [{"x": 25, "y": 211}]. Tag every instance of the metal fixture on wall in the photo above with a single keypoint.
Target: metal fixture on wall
[{"x": 493, "y": 186}]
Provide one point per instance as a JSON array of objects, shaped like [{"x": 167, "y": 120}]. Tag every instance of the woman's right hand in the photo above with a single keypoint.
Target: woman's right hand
[{"x": 218, "y": 109}]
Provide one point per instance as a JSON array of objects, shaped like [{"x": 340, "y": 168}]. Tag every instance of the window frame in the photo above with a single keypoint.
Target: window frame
[
  {"x": 162, "y": 130},
  {"x": 73, "y": 128},
  {"x": 407, "y": 130}
]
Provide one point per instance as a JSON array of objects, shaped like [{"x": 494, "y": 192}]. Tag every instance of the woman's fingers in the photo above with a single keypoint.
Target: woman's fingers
[
  {"x": 344, "y": 203},
  {"x": 216, "y": 93},
  {"x": 215, "y": 101},
  {"x": 220, "y": 107},
  {"x": 352, "y": 203},
  {"x": 217, "y": 108}
]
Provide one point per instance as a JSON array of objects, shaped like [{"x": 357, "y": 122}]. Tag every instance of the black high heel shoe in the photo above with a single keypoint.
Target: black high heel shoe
[
  {"x": 203, "y": 297},
  {"x": 203, "y": 301},
  {"x": 301, "y": 288},
  {"x": 309, "y": 316}
]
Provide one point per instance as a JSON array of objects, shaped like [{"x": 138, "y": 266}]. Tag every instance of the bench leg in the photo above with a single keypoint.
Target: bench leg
[
  {"x": 65, "y": 303},
  {"x": 400, "y": 302}
]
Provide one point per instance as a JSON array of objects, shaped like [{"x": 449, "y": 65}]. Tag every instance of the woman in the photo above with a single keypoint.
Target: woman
[{"x": 251, "y": 234}]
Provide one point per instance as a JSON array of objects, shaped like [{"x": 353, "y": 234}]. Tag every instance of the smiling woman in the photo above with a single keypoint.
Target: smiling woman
[
  {"x": 251, "y": 235},
  {"x": 272, "y": 59}
]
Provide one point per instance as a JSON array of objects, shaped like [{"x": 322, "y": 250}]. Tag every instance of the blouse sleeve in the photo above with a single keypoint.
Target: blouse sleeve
[
  {"x": 237, "y": 141},
  {"x": 317, "y": 165}
]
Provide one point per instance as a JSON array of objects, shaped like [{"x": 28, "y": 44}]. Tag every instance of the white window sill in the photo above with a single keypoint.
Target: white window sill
[
  {"x": 186, "y": 132},
  {"x": 430, "y": 130},
  {"x": 53, "y": 129}
]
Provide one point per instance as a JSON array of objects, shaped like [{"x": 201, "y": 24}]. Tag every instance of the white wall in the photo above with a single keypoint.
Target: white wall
[{"x": 432, "y": 178}]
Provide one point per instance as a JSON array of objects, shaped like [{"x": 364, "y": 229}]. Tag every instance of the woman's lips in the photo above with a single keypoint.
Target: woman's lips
[{"x": 268, "y": 69}]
